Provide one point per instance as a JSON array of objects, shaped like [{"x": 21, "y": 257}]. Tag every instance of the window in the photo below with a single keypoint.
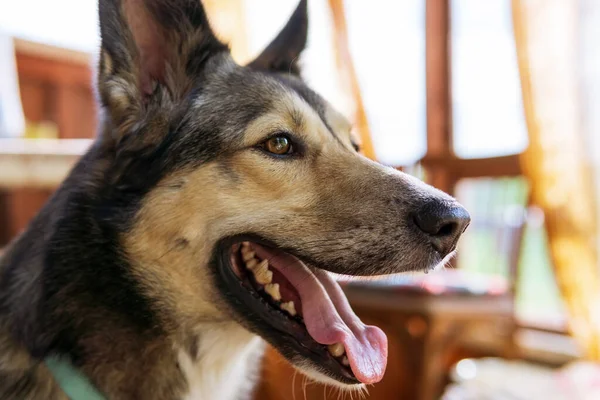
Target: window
[
  {"x": 473, "y": 152},
  {"x": 538, "y": 299},
  {"x": 487, "y": 115},
  {"x": 491, "y": 245},
  {"x": 476, "y": 151},
  {"x": 64, "y": 23},
  {"x": 388, "y": 48},
  {"x": 497, "y": 208}
]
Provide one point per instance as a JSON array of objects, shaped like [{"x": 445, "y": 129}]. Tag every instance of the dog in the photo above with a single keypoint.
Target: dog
[{"x": 204, "y": 222}]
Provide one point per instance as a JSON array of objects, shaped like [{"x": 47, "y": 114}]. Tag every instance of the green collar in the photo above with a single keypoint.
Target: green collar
[{"x": 72, "y": 381}]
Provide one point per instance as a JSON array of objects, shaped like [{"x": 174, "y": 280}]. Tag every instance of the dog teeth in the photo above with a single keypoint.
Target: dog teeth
[
  {"x": 250, "y": 264},
  {"x": 264, "y": 277},
  {"x": 345, "y": 361},
  {"x": 289, "y": 307},
  {"x": 262, "y": 274},
  {"x": 248, "y": 255},
  {"x": 336, "y": 349},
  {"x": 262, "y": 266},
  {"x": 272, "y": 290}
]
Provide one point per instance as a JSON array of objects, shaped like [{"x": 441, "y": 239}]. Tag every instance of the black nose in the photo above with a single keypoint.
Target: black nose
[{"x": 443, "y": 221}]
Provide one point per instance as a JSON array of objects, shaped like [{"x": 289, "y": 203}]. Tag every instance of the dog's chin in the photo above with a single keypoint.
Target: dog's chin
[{"x": 322, "y": 377}]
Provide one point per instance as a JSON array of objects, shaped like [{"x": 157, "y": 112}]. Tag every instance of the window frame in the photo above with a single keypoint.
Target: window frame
[
  {"x": 442, "y": 166},
  {"x": 440, "y": 161}
]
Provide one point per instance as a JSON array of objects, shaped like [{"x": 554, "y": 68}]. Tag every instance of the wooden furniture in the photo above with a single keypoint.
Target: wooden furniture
[
  {"x": 30, "y": 170},
  {"x": 56, "y": 87},
  {"x": 428, "y": 332},
  {"x": 38, "y": 163}
]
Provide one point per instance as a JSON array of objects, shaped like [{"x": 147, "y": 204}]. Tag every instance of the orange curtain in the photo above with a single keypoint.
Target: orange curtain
[
  {"x": 348, "y": 78},
  {"x": 228, "y": 19},
  {"x": 558, "y": 161},
  {"x": 12, "y": 121}
]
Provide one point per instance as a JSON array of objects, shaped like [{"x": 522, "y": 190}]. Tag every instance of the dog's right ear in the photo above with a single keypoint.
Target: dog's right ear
[
  {"x": 152, "y": 53},
  {"x": 283, "y": 53}
]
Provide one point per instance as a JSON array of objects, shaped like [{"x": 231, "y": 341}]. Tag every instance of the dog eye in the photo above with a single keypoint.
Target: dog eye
[{"x": 279, "y": 145}]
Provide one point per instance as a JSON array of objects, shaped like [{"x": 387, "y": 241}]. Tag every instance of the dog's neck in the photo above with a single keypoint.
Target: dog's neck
[
  {"x": 106, "y": 330},
  {"x": 225, "y": 365},
  {"x": 221, "y": 362}
]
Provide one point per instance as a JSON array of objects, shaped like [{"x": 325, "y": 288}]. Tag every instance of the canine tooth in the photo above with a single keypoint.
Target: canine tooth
[
  {"x": 336, "y": 349},
  {"x": 248, "y": 255},
  {"x": 251, "y": 263},
  {"x": 262, "y": 273},
  {"x": 264, "y": 277},
  {"x": 289, "y": 307},
  {"x": 245, "y": 248},
  {"x": 345, "y": 361},
  {"x": 264, "y": 264},
  {"x": 273, "y": 290}
]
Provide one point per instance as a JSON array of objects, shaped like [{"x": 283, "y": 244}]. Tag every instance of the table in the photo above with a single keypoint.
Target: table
[{"x": 432, "y": 326}]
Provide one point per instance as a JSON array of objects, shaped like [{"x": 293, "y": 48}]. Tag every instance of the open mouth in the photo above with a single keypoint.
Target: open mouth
[{"x": 302, "y": 311}]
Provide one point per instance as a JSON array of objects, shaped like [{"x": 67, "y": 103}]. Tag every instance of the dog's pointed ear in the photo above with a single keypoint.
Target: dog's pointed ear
[
  {"x": 283, "y": 53},
  {"x": 149, "y": 49}
]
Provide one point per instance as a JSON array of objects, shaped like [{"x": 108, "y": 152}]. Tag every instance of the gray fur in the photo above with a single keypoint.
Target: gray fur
[{"x": 93, "y": 278}]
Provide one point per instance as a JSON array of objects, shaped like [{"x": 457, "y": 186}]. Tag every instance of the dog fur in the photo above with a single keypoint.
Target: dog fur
[{"x": 117, "y": 272}]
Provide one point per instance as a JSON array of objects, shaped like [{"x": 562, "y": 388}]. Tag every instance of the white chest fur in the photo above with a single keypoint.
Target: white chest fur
[{"x": 226, "y": 367}]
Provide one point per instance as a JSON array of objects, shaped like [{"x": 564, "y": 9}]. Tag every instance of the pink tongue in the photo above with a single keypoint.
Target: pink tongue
[{"x": 329, "y": 318}]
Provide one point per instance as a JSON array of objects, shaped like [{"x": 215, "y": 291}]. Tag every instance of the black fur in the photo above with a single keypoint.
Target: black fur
[
  {"x": 174, "y": 101},
  {"x": 67, "y": 278}
]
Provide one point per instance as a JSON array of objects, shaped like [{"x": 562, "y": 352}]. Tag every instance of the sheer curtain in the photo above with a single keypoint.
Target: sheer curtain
[
  {"x": 386, "y": 50},
  {"x": 557, "y": 48},
  {"x": 12, "y": 122},
  {"x": 327, "y": 64}
]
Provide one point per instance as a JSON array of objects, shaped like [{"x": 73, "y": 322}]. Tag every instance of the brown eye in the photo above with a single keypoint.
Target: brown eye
[{"x": 279, "y": 145}]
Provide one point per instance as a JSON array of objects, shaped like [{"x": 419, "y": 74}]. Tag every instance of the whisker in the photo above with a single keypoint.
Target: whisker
[
  {"x": 294, "y": 384},
  {"x": 304, "y": 387}
]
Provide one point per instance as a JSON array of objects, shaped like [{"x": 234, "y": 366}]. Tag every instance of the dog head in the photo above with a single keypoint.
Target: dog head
[{"x": 248, "y": 187}]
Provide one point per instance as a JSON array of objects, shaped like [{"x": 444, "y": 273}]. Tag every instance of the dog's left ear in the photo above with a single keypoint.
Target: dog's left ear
[
  {"x": 153, "y": 53},
  {"x": 282, "y": 54}
]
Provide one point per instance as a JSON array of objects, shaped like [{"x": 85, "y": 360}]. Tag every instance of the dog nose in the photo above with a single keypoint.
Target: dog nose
[{"x": 443, "y": 221}]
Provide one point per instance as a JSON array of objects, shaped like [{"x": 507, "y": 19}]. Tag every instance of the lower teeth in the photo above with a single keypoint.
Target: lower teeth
[
  {"x": 289, "y": 307},
  {"x": 336, "y": 349},
  {"x": 263, "y": 276},
  {"x": 272, "y": 289}
]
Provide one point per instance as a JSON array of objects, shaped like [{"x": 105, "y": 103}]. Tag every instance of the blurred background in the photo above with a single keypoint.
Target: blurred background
[{"x": 493, "y": 101}]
